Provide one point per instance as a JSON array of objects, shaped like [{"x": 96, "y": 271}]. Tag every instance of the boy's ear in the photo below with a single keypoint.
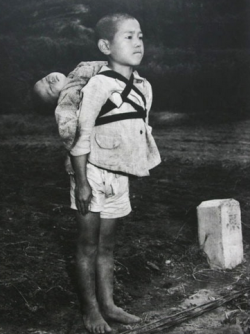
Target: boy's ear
[{"x": 103, "y": 45}]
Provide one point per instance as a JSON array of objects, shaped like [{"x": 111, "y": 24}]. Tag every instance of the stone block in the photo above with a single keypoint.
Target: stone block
[{"x": 220, "y": 233}]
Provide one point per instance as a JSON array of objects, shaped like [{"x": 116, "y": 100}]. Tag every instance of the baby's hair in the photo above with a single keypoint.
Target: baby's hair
[{"x": 106, "y": 27}]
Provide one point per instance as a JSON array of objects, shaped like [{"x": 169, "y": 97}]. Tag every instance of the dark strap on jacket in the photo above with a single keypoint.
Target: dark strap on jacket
[
  {"x": 109, "y": 105},
  {"x": 120, "y": 117},
  {"x": 129, "y": 83}
]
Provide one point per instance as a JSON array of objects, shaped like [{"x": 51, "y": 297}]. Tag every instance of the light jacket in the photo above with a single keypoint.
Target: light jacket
[{"x": 123, "y": 146}]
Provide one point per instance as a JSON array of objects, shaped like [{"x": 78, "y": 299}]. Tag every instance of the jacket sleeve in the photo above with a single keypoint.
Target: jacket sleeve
[
  {"x": 66, "y": 113},
  {"x": 95, "y": 94}
]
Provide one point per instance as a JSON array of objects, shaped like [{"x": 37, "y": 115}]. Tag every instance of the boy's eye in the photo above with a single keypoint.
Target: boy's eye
[
  {"x": 141, "y": 37},
  {"x": 129, "y": 37}
]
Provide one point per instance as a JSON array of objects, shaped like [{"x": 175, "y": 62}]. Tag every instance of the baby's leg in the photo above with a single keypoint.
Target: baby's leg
[
  {"x": 87, "y": 246},
  {"x": 105, "y": 272}
]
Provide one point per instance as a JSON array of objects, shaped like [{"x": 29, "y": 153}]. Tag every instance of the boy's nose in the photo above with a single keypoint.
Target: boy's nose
[{"x": 138, "y": 42}]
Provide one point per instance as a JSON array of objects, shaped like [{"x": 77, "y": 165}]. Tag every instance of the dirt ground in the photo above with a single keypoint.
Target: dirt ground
[{"x": 159, "y": 268}]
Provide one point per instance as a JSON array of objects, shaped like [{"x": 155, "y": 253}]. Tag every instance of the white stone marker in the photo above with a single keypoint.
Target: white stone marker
[{"x": 220, "y": 234}]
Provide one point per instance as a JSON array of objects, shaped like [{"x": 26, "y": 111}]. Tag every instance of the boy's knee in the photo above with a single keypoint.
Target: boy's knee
[
  {"x": 86, "y": 251},
  {"x": 105, "y": 249},
  {"x": 87, "y": 246}
]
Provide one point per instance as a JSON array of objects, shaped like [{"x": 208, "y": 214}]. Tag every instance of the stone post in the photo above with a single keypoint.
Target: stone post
[{"x": 220, "y": 234}]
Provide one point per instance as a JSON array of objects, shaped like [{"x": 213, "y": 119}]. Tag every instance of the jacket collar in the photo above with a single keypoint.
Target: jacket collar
[{"x": 137, "y": 77}]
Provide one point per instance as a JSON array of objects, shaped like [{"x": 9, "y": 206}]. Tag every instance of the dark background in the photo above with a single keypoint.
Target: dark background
[
  {"x": 197, "y": 51},
  {"x": 197, "y": 59}
]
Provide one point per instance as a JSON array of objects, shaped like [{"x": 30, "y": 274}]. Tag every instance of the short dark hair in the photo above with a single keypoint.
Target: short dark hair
[{"x": 106, "y": 27}]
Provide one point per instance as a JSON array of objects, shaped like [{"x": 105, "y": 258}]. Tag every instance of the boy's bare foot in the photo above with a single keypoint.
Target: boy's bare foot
[
  {"x": 118, "y": 314},
  {"x": 95, "y": 323}
]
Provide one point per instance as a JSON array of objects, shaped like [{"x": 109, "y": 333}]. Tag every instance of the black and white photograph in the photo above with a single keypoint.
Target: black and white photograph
[{"x": 125, "y": 166}]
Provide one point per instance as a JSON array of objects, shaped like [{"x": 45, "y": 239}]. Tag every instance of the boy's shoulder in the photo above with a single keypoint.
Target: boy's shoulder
[
  {"x": 139, "y": 79},
  {"x": 77, "y": 79},
  {"x": 99, "y": 82},
  {"x": 143, "y": 84}
]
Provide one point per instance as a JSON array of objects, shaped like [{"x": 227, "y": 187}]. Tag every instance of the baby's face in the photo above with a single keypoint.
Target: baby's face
[{"x": 49, "y": 87}]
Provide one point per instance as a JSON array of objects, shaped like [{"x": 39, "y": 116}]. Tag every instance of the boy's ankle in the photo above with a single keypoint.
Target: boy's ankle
[
  {"x": 106, "y": 305},
  {"x": 90, "y": 309}
]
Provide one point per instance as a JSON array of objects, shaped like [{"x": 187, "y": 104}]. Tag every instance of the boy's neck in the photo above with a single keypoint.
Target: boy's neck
[{"x": 126, "y": 71}]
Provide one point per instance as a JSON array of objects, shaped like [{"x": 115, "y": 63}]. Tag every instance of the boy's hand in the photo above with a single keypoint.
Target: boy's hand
[
  {"x": 83, "y": 195},
  {"x": 83, "y": 192}
]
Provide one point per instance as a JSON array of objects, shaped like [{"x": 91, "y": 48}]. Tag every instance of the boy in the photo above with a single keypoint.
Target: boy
[{"x": 114, "y": 140}]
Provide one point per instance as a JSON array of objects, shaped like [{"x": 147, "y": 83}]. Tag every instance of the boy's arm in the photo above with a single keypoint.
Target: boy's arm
[
  {"x": 83, "y": 192},
  {"x": 95, "y": 95},
  {"x": 66, "y": 112},
  {"x": 69, "y": 100}
]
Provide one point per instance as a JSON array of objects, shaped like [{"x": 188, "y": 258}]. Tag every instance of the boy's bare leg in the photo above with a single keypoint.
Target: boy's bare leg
[
  {"x": 87, "y": 246},
  {"x": 105, "y": 274}
]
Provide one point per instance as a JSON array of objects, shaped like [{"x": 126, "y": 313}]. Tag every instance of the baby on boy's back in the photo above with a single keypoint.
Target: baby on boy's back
[{"x": 65, "y": 92}]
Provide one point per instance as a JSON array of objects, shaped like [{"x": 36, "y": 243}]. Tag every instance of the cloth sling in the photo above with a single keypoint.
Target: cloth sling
[{"x": 109, "y": 105}]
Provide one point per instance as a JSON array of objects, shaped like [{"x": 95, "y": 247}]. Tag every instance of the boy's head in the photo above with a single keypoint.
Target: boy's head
[
  {"x": 48, "y": 88},
  {"x": 120, "y": 38}
]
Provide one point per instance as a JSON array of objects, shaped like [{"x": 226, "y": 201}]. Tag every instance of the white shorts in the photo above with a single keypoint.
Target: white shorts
[{"x": 110, "y": 192}]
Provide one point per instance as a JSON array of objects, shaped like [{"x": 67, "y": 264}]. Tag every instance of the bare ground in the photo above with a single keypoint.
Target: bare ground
[{"x": 159, "y": 268}]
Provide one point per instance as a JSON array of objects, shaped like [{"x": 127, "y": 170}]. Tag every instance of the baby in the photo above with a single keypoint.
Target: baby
[
  {"x": 55, "y": 89},
  {"x": 65, "y": 92},
  {"x": 50, "y": 87}
]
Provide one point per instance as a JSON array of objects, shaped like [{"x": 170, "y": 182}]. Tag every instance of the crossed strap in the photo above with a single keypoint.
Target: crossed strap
[{"x": 109, "y": 105}]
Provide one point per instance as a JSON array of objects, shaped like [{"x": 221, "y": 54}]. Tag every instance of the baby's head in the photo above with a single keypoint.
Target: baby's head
[
  {"x": 119, "y": 37},
  {"x": 48, "y": 88}
]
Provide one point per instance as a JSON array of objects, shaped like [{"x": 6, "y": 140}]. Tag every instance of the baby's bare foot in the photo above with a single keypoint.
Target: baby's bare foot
[
  {"x": 95, "y": 323},
  {"x": 118, "y": 314}
]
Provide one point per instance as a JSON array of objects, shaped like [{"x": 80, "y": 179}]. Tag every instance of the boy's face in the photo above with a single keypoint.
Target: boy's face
[
  {"x": 49, "y": 87},
  {"x": 127, "y": 46}
]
